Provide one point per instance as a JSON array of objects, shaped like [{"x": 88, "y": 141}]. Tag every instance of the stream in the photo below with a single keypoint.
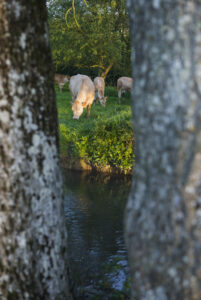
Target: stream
[{"x": 94, "y": 209}]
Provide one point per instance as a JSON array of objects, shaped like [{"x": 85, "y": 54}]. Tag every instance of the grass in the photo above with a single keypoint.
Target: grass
[{"x": 106, "y": 138}]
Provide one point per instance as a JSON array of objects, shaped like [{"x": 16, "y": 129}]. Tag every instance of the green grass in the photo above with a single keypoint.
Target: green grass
[{"x": 106, "y": 138}]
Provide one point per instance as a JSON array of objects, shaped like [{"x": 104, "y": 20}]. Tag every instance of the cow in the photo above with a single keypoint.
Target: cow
[
  {"x": 83, "y": 94},
  {"x": 99, "y": 84},
  {"x": 124, "y": 84},
  {"x": 61, "y": 80}
]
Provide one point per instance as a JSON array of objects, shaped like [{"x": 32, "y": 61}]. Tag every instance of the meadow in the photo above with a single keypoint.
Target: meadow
[{"x": 104, "y": 141}]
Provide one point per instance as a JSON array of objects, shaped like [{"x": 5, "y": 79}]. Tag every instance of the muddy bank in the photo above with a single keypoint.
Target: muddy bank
[{"x": 80, "y": 165}]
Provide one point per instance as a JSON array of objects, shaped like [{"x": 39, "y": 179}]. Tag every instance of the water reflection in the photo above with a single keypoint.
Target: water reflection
[{"x": 94, "y": 206}]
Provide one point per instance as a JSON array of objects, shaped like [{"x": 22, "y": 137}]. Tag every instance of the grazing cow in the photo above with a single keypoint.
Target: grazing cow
[
  {"x": 83, "y": 93},
  {"x": 99, "y": 84},
  {"x": 124, "y": 84},
  {"x": 61, "y": 80}
]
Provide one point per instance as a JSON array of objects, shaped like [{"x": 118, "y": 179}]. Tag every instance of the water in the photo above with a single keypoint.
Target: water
[{"x": 94, "y": 207}]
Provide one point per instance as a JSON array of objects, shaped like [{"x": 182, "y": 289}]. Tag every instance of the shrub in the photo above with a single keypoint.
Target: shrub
[{"x": 104, "y": 139}]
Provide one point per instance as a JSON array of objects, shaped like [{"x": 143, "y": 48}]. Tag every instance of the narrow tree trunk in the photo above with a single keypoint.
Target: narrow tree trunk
[
  {"x": 163, "y": 215},
  {"x": 33, "y": 262},
  {"x": 106, "y": 71}
]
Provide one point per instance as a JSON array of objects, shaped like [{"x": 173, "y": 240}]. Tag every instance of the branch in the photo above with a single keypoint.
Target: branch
[
  {"x": 66, "y": 16},
  {"x": 74, "y": 15},
  {"x": 97, "y": 66},
  {"x": 107, "y": 70},
  {"x": 85, "y": 2},
  {"x": 88, "y": 67},
  {"x": 76, "y": 22}
]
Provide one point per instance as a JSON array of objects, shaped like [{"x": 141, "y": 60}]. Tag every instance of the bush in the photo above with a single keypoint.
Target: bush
[{"x": 106, "y": 138}]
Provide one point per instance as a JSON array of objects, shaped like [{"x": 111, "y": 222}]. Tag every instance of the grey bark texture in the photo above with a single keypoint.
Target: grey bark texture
[
  {"x": 33, "y": 263},
  {"x": 163, "y": 214}
]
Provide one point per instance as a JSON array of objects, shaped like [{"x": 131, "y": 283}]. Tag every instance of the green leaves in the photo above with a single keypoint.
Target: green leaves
[
  {"x": 105, "y": 144},
  {"x": 104, "y": 139},
  {"x": 101, "y": 38}
]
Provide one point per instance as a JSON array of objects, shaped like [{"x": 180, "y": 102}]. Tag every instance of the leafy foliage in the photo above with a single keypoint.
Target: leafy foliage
[
  {"x": 106, "y": 138},
  {"x": 101, "y": 40}
]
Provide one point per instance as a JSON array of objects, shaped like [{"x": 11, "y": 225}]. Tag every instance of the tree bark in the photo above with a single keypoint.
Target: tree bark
[
  {"x": 33, "y": 263},
  {"x": 163, "y": 227}
]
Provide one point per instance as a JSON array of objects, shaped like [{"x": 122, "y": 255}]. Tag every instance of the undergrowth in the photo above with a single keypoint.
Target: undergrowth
[{"x": 106, "y": 138}]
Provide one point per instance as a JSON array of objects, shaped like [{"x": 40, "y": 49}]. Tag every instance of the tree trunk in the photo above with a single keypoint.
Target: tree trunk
[
  {"x": 33, "y": 262},
  {"x": 163, "y": 227},
  {"x": 107, "y": 70}
]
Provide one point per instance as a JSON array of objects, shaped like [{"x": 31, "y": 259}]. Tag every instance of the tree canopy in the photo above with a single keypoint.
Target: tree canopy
[{"x": 94, "y": 37}]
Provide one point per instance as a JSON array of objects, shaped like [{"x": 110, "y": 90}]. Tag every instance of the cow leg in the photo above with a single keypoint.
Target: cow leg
[
  {"x": 119, "y": 95},
  {"x": 97, "y": 99},
  {"x": 88, "y": 109},
  {"x": 60, "y": 87},
  {"x": 123, "y": 95}
]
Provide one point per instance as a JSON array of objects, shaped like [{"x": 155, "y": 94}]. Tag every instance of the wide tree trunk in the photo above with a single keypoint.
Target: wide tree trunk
[
  {"x": 33, "y": 262},
  {"x": 163, "y": 214}
]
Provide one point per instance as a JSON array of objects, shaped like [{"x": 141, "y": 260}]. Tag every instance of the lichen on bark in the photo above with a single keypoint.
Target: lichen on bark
[
  {"x": 33, "y": 249},
  {"x": 163, "y": 229}
]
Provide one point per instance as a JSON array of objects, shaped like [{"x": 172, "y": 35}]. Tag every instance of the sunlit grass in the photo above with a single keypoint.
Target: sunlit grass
[{"x": 114, "y": 117}]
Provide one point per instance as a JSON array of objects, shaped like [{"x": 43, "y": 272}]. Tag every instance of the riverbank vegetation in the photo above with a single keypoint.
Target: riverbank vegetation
[
  {"x": 92, "y": 38},
  {"x": 103, "y": 141}
]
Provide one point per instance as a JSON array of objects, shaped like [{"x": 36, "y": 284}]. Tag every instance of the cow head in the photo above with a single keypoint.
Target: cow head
[
  {"x": 66, "y": 78},
  {"x": 103, "y": 101},
  {"x": 77, "y": 109}
]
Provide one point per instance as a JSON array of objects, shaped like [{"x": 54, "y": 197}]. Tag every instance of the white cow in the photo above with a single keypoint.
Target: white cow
[
  {"x": 83, "y": 93},
  {"x": 124, "y": 84},
  {"x": 99, "y": 84}
]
